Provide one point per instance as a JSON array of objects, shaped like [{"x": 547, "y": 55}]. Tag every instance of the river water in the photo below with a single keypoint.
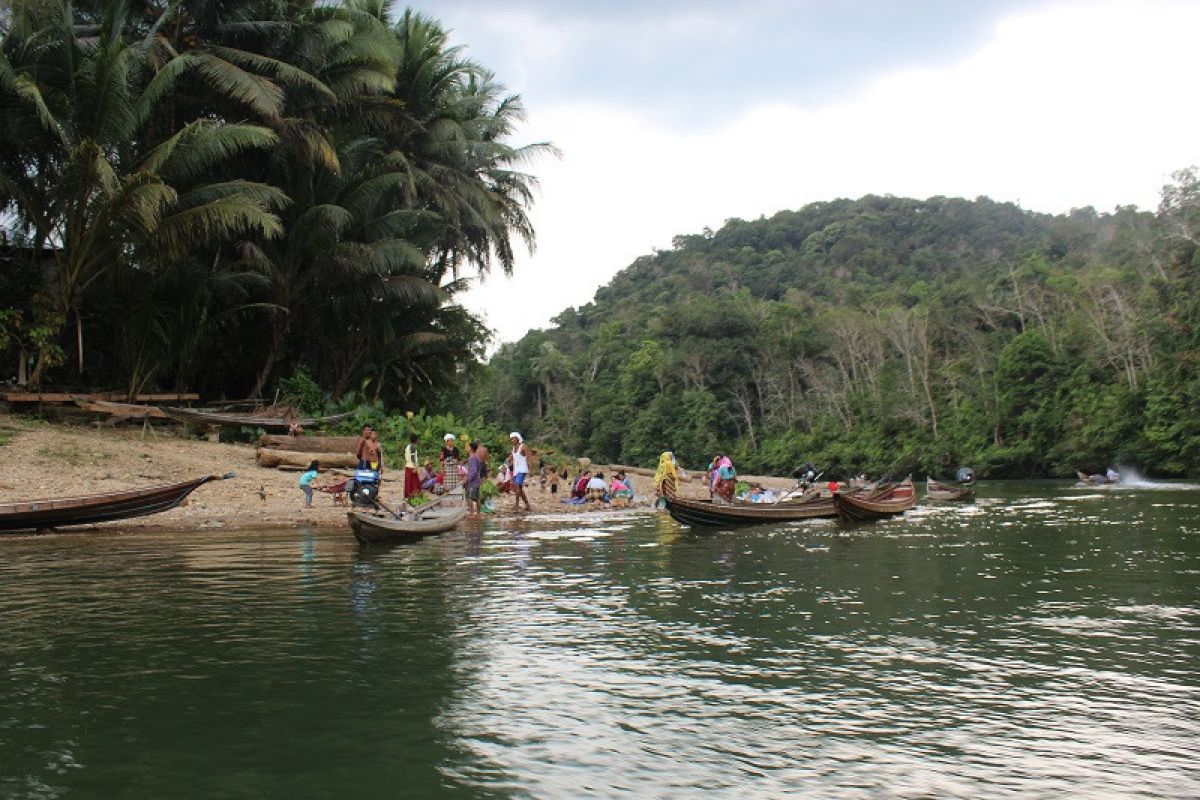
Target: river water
[{"x": 1043, "y": 641}]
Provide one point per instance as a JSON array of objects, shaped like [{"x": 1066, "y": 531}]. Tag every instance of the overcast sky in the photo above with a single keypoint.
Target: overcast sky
[{"x": 675, "y": 115}]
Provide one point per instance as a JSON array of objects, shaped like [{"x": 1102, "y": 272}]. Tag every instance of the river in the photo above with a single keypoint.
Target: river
[{"x": 1043, "y": 641}]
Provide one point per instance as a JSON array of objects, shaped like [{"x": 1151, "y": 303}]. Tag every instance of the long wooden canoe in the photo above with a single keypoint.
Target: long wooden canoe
[
  {"x": 58, "y": 512},
  {"x": 231, "y": 420},
  {"x": 885, "y": 501},
  {"x": 127, "y": 410},
  {"x": 371, "y": 527},
  {"x": 707, "y": 514},
  {"x": 944, "y": 491}
]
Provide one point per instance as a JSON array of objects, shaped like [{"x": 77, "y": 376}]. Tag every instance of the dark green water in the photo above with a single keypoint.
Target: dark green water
[{"x": 1044, "y": 641}]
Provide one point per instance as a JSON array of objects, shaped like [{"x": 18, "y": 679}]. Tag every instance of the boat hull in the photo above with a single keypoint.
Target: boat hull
[
  {"x": 371, "y": 528},
  {"x": 706, "y": 514},
  {"x": 880, "y": 505},
  {"x": 86, "y": 510},
  {"x": 242, "y": 420},
  {"x": 1095, "y": 480},
  {"x": 942, "y": 491}
]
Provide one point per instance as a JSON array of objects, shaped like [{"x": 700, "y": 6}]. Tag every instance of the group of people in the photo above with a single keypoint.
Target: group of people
[
  {"x": 512, "y": 476},
  {"x": 593, "y": 487}
]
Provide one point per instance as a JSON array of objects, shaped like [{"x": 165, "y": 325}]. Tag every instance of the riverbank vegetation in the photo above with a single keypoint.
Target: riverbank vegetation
[
  {"x": 886, "y": 334},
  {"x": 208, "y": 196}
]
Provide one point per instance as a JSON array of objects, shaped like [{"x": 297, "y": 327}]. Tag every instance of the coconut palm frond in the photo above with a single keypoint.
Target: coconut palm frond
[
  {"x": 227, "y": 219},
  {"x": 200, "y": 146},
  {"x": 255, "y": 92}
]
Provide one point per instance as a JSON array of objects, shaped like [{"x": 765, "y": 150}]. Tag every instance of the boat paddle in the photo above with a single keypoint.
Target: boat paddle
[{"x": 385, "y": 507}]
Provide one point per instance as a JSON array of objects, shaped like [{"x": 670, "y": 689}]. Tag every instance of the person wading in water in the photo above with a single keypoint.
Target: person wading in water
[{"x": 520, "y": 468}]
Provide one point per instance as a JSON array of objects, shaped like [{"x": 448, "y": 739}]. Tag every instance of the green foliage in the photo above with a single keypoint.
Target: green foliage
[
  {"x": 885, "y": 334},
  {"x": 209, "y": 195},
  {"x": 302, "y": 391}
]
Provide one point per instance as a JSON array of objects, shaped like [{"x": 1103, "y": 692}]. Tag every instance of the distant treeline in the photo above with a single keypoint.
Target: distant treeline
[
  {"x": 211, "y": 196},
  {"x": 886, "y": 334}
]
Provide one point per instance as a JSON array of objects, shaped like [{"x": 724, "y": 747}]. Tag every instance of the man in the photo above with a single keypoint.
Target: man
[
  {"x": 520, "y": 468},
  {"x": 372, "y": 453},
  {"x": 360, "y": 447}
]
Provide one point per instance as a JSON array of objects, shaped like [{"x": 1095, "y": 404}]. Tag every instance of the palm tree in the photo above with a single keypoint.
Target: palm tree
[
  {"x": 90, "y": 182},
  {"x": 450, "y": 135}
]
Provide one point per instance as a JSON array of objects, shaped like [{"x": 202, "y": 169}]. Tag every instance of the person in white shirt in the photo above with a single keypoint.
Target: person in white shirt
[
  {"x": 596, "y": 487},
  {"x": 520, "y": 468}
]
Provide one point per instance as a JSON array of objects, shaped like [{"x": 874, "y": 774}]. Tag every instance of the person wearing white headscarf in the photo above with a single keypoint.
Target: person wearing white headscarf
[{"x": 520, "y": 468}]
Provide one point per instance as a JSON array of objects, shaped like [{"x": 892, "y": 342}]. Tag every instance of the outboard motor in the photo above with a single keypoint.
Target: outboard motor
[
  {"x": 805, "y": 474},
  {"x": 965, "y": 476},
  {"x": 364, "y": 490}
]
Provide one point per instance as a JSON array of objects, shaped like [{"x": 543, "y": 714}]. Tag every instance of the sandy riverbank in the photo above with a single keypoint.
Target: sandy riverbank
[{"x": 44, "y": 460}]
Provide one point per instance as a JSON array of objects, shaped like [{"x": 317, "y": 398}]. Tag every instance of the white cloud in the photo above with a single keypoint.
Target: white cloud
[{"x": 1068, "y": 106}]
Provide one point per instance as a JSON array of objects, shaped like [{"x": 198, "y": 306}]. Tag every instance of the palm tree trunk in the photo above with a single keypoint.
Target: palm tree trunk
[
  {"x": 79, "y": 339},
  {"x": 277, "y": 336}
]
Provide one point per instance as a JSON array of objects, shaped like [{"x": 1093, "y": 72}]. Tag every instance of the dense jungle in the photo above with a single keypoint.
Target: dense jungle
[
  {"x": 885, "y": 334},
  {"x": 215, "y": 197}
]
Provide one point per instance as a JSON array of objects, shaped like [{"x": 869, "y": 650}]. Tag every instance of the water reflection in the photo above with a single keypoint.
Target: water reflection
[{"x": 1040, "y": 641}]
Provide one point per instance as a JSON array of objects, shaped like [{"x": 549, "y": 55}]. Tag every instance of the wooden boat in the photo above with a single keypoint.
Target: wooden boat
[
  {"x": 120, "y": 410},
  {"x": 57, "y": 512},
  {"x": 945, "y": 491},
  {"x": 1095, "y": 480},
  {"x": 231, "y": 420},
  {"x": 707, "y": 514},
  {"x": 886, "y": 501},
  {"x": 372, "y": 527}
]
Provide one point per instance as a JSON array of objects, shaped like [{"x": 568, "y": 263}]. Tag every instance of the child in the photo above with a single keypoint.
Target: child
[{"x": 306, "y": 480}]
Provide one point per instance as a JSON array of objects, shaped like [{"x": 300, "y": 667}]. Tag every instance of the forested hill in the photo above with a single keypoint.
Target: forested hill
[{"x": 884, "y": 334}]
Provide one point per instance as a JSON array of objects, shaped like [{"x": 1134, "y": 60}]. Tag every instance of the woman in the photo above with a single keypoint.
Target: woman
[
  {"x": 725, "y": 478},
  {"x": 474, "y": 478},
  {"x": 666, "y": 477},
  {"x": 596, "y": 488},
  {"x": 428, "y": 477},
  {"x": 412, "y": 480}
]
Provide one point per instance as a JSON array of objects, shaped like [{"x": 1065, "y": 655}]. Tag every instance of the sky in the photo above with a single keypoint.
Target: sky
[{"x": 673, "y": 116}]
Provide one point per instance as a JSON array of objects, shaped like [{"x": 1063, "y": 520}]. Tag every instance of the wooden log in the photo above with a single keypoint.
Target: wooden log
[
  {"x": 308, "y": 444},
  {"x": 70, "y": 397},
  {"x": 266, "y": 457}
]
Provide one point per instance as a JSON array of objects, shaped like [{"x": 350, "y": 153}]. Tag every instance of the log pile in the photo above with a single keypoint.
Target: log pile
[
  {"x": 297, "y": 452},
  {"x": 308, "y": 444}
]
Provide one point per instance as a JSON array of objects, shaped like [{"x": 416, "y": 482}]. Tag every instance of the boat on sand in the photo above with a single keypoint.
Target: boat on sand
[
  {"x": 231, "y": 420},
  {"x": 58, "y": 512}
]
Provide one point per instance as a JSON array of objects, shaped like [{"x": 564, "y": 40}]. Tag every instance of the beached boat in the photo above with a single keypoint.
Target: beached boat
[
  {"x": 708, "y": 514},
  {"x": 946, "y": 491},
  {"x": 885, "y": 501},
  {"x": 371, "y": 527},
  {"x": 58, "y": 512},
  {"x": 120, "y": 410},
  {"x": 231, "y": 420}
]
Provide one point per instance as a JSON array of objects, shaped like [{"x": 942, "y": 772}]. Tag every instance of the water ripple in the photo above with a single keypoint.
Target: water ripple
[{"x": 1043, "y": 645}]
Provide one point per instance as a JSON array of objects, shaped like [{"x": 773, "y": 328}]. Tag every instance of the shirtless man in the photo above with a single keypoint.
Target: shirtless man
[
  {"x": 360, "y": 447},
  {"x": 372, "y": 452}
]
